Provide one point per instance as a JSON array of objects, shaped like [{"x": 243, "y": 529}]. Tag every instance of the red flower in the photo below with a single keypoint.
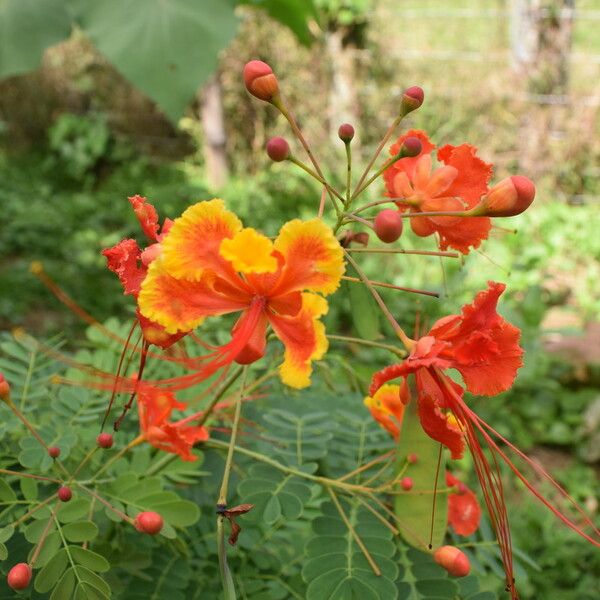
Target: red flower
[
  {"x": 464, "y": 512},
  {"x": 155, "y": 407},
  {"x": 457, "y": 185},
  {"x": 485, "y": 349}
]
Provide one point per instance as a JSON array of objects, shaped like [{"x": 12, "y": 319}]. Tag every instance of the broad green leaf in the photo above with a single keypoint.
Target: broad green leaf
[
  {"x": 94, "y": 580},
  {"x": 80, "y": 531},
  {"x": 48, "y": 577},
  {"x": 65, "y": 586},
  {"x": 166, "y": 48},
  {"x": 3, "y": 552},
  {"x": 50, "y": 547},
  {"x": 6, "y": 533},
  {"x": 7, "y": 494},
  {"x": 33, "y": 531},
  {"x": 27, "y": 28},
  {"x": 364, "y": 309},
  {"x": 91, "y": 560},
  {"x": 29, "y": 488},
  {"x": 73, "y": 510},
  {"x": 415, "y": 508}
]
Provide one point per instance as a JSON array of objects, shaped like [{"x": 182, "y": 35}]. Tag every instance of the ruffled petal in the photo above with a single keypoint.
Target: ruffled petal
[
  {"x": 464, "y": 512},
  {"x": 124, "y": 260},
  {"x": 147, "y": 216},
  {"x": 313, "y": 258},
  {"x": 387, "y": 408},
  {"x": 192, "y": 245},
  {"x": 180, "y": 305},
  {"x": 303, "y": 336},
  {"x": 155, "y": 405},
  {"x": 177, "y": 439},
  {"x": 249, "y": 252}
]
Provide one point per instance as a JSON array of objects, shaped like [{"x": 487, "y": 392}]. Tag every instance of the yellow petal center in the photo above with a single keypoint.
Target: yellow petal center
[{"x": 249, "y": 252}]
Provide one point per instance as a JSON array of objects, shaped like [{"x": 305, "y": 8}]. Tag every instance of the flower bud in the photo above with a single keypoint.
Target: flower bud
[
  {"x": 149, "y": 522},
  {"x": 346, "y": 132},
  {"x": 412, "y": 98},
  {"x": 453, "y": 560},
  {"x": 510, "y": 197},
  {"x": 54, "y": 451},
  {"x": 412, "y": 146},
  {"x": 412, "y": 458},
  {"x": 406, "y": 483},
  {"x": 278, "y": 149},
  {"x": 4, "y": 388},
  {"x": 388, "y": 225},
  {"x": 105, "y": 440},
  {"x": 260, "y": 80},
  {"x": 64, "y": 493},
  {"x": 19, "y": 576}
]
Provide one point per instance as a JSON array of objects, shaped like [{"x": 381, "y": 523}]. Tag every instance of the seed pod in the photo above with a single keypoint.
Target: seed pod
[
  {"x": 105, "y": 440},
  {"x": 149, "y": 522},
  {"x": 388, "y": 225},
  {"x": 19, "y": 576},
  {"x": 64, "y": 493},
  {"x": 453, "y": 560},
  {"x": 260, "y": 80},
  {"x": 54, "y": 451}
]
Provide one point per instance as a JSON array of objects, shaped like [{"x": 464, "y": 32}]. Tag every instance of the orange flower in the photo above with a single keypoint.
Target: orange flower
[
  {"x": 387, "y": 408},
  {"x": 456, "y": 186},
  {"x": 210, "y": 265},
  {"x": 155, "y": 407},
  {"x": 464, "y": 512},
  {"x": 130, "y": 264}
]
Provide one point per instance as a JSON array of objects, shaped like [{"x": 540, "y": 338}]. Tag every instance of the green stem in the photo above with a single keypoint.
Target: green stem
[
  {"x": 348, "y": 174},
  {"x": 318, "y": 177},
  {"x": 226, "y": 578},
  {"x": 352, "y": 340}
]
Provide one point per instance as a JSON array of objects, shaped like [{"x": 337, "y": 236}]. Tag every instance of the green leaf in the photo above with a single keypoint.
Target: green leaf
[
  {"x": 91, "y": 560},
  {"x": 65, "y": 587},
  {"x": 73, "y": 510},
  {"x": 6, "y": 533},
  {"x": 33, "y": 531},
  {"x": 29, "y": 488},
  {"x": 415, "y": 508},
  {"x": 48, "y": 577},
  {"x": 364, "y": 309},
  {"x": 80, "y": 531},
  {"x": 166, "y": 48},
  {"x": 7, "y": 494},
  {"x": 3, "y": 552},
  {"x": 27, "y": 28},
  {"x": 50, "y": 547}
]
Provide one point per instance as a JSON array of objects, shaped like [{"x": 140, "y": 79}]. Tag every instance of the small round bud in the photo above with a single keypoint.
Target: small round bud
[
  {"x": 278, "y": 149},
  {"x": 412, "y": 458},
  {"x": 149, "y": 522},
  {"x": 346, "y": 132},
  {"x": 406, "y": 483},
  {"x": 461, "y": 488},
  {"x": 105, "y": 440},
  {"x": 412, "y": 147},
  {"x": 64, "y": 493},
  {"x": 453, "y": 560},
  {"x": 4, "y": 388},
  {"x": 412, "y": 98},
  {"x": 54, "y": 451},
  {"x": 19, "y": 576},
  {"x": 510, "y": 197},
  {"x": 260, "y": 80},
  {"x": 388, "y": 225}
]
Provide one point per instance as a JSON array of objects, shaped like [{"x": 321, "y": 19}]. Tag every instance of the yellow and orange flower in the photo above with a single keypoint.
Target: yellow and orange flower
[
  {"x": 387, "y": 408},
  {"x": 211, "y": 265}
]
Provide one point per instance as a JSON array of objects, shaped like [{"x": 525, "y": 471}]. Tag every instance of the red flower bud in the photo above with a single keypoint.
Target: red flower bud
[
  {"x": 4, "y": 388},
  {"x": 406, "y": 483},
  {"x": 412, "y": 458},
  {"x": 64, "y": 493},
  {"x": 54, "y": 451},
  {"x": 412, "y": 98},
  {"x": 453, "y": 560},
  {"x": 510, "y": 197},
  {"x": 19, "y": 576},
  {"x": 149, "y": 522},
  {"x": 346, "y": 132},
  {"x": 260, "y": 80},
  {"x": 278, "y": 149},
  {"x": 412, "y": 147},
  {"x": 105, "y": 440},
  {"x": 388, "y": 225}
]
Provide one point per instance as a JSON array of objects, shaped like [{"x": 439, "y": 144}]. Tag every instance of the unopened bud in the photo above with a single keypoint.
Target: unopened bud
[
  {"x": 64, "y": 493},
  {"x": 149, "y": 522},
  {"x": 54, "y": 451},
  {"x": 510, "y": 197},
  {"x": 4, "y": 388},
  {"x": 406, "y": 483},
  {"x": 388, "y": 225},
  {"x": 346, "y": 132},
  {"x": 412, "y": 458},
  {"x": 412, "y": 146},
  {"x": 260, "y": 80},
  {"x": 412, "y": 98},
  {"x": 19, "y": 576},
  {"x": 453, "y": 560},
  {"x": 278, "y": 149},
  {"x": 105, "y": 440}
]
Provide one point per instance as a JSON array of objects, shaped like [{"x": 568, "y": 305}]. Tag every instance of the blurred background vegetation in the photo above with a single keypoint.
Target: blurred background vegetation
[{"x": 519, "y": 79}]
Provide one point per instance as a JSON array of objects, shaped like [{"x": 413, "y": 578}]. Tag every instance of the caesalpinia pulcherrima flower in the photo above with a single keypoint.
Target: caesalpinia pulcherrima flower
[
  {"x": 155, "y": 407},
  {"x": 211, "y": 265},
  {"x": 387, "y": 408},
  {"x": 485, "y": 349},
  {"x": 457, "y": 184},
  {"x": 130, "y": 263},
  {"x": 464, "y": 512}
]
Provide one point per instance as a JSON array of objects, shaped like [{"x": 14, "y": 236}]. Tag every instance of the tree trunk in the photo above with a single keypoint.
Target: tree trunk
[{"x": 213, "y": 126}]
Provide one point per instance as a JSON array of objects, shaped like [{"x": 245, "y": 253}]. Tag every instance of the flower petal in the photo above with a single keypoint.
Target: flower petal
[
  {"x": 249, "y": 252},
  {"x": 387, "y": 408},
  {"x": 464, "y": 512},
  {"x": 124, "y": 260},
  {"x": 192, "y": 244},
  {"x": 313, "y": 257},
  {"x": 147, "y": 216}
]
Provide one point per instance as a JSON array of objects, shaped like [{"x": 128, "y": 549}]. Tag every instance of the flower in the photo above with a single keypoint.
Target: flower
[
  {"x": 387, "y": 408},
  {"x": 211, "y": 265},
  {"x": 130, "y": 263},
  {"x": 457, "y": 185},
  {"x": 155, "y": 407},
  {"x": 464, "y": 512},
  {"x": 485, "y": 349}
]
